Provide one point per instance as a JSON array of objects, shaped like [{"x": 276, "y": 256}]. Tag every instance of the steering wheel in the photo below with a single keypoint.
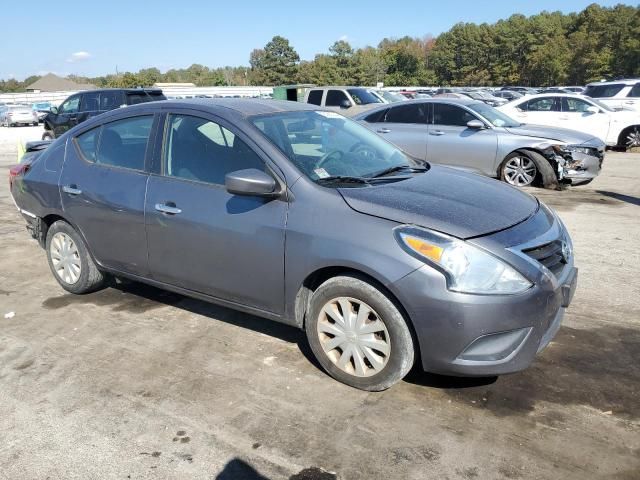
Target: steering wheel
[
  {"x": 332, "y": 155},
  {"x": 364, "y": 150}
]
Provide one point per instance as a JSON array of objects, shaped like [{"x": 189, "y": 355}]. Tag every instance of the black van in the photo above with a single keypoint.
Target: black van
[{"x": 81, "y": 106}]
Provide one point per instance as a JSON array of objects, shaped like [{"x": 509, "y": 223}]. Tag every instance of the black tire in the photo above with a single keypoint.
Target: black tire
[
  {"x": 47, "y": 135},
  {"x": 90, "y": 278},
  {"x": 545, "y": 175},
  {"x": 629, "y": 138},
  {"x": 402, "y": 351}
]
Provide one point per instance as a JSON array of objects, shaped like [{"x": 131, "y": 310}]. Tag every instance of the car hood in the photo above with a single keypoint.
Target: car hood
[
  {"x": 461, "y": 204},
  {"x": 572, "y": 137}
]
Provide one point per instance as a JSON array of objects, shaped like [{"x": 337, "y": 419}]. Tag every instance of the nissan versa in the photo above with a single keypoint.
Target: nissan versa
[{"x": 299, "y": 215}]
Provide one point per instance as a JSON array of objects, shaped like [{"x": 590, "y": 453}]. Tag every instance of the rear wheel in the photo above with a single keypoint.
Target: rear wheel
[
  {"x": 630, "y": 137},
  {"x": 358, "y": 334},
  {"x": 69, "y": 260}
]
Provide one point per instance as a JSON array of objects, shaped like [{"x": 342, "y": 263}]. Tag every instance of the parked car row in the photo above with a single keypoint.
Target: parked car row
[{"x": 199, "y": 196}]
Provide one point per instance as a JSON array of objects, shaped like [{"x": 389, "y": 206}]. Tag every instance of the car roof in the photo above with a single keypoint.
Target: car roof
[
  {"x": 338, "y": 87},
  {"x": 453, "y": 101},
  {"x": 626, "y": 81},
  {"x": 244, "y": 107},
  {"x": 128, "y": 90}
]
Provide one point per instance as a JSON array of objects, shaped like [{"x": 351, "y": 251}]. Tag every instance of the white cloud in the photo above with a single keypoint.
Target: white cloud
[
  {"x": 344, "y": 38},
  {"x": 78, "y": 57}
]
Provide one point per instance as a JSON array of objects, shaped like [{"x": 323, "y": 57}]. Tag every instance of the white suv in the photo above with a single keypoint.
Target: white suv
[
  {"x": 619, "y": 128},
  {"x": 619, "y": 94}
]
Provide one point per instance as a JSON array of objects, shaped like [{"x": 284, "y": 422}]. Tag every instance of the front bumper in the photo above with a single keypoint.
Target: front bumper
[{"x": 484, "y": 335}]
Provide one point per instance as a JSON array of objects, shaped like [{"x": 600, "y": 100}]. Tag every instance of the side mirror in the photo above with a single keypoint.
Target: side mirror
[
  {"x": 251, "y": 182},
  {"x": 475, "y": 124},
  {"x": 54, "y": 110},
  {"x": 345, "y": 103},
  {"x": 593, "y": 109}
]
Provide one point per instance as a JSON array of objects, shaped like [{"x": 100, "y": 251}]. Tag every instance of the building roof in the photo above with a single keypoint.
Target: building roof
[{"x": 53, "y": 83}]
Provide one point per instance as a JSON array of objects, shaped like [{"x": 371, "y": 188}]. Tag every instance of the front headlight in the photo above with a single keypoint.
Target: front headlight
[
  {"x": 468, "y": 269},
  {"x": 579, "y": 149}
]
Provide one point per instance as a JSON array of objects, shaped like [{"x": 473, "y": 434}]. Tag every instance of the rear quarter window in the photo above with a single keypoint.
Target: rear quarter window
[{"x": 144, "y": 97}]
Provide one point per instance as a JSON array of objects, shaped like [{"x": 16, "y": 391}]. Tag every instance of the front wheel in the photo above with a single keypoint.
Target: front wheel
[
  {"x": 47, "y": 135},
  {"x": 519, "y": 170},
  {"x": 358, "y": 334},
  {"x": 69, "y": 260}
]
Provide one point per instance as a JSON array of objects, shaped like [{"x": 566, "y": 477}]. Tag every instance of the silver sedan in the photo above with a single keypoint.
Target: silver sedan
[{"x": 473, "y": 136}]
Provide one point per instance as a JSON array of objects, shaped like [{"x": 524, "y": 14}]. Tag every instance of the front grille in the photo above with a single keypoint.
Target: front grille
[{"x": 550, "y": 255}]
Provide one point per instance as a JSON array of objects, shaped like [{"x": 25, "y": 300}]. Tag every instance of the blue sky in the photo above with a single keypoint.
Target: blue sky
[{"x": 92, "y": 38}]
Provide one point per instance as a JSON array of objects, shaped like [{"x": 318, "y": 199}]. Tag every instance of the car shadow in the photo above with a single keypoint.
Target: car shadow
[
  {"x": 621, "y": 197},
  {"x": 154, "y": 295},
  {"x": 136, "y": 298},
  {"x": 424, "y": 379}
]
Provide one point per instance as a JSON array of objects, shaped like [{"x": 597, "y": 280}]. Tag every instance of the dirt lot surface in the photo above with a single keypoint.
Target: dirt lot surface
[{"x": 133, "y": 382}]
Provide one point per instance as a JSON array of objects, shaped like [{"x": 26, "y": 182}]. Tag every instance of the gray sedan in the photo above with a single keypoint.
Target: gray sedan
[
  {"x": 302, "y": 216},
  {"x": 473, "y": 136}
]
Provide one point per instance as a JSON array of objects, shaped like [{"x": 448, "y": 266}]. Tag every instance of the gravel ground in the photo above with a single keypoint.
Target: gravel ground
[{"x": 133, "y": 382}]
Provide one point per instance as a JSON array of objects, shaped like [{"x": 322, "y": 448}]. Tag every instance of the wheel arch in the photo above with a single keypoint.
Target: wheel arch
[{"x": 321, "y": 275}]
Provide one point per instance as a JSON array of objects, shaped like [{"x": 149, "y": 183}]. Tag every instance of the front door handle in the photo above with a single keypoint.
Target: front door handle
[
  {"x": 383, "y": 130},
  {"x": 436, "y": 133},
  {"x": 167, "y": 208},
  {"x": 71, "y": 190}
]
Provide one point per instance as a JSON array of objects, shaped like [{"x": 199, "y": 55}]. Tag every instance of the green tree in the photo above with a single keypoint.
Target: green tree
[{"x": 277, "y": 63}]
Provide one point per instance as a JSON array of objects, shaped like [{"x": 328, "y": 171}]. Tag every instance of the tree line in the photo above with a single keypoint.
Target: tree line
[{"x": 550, "y": 48}]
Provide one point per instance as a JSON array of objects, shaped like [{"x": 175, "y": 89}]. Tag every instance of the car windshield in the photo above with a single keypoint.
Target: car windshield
[
  {"x": 325, "y": 145},
  {"x": 362, "y": 96},
  {"x": 493, "y": 116},
  {"x": 392, "y": 97}
]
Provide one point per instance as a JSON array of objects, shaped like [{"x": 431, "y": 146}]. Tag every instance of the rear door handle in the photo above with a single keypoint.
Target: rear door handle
[
  {"x": 168, "y": 209},
  {"x": 71, "y": 190},
  {"x": 436, "y": 133},
  {"x": 383, "y": 130}
]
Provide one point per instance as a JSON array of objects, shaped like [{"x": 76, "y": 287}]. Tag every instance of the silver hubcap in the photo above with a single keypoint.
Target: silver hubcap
[
  {"x": 353, "y": 336},
  {"x": 65, "y": 258},
  {"x": 633, "y": 139},
  {"x": 520, "y": 171}
]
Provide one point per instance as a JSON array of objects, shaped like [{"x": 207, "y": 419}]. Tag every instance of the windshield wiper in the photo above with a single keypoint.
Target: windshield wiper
[
  {"x": 342, "y": 179},
  {"x": 398, "y": 168}
]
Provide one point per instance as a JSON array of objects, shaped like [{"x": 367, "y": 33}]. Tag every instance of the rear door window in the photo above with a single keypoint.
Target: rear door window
[
  {"x": 335, "y": 98},
  {"x": 604, "y": 91},
  {"x": 111, "y": 100},
  {"x": 123, "y": 143},
  {"x": 451, "y": 115},
  {"x": 413, "y": 113},
  {"x": 90, "y": 102},
  {"x": 315, "y": 97}
]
